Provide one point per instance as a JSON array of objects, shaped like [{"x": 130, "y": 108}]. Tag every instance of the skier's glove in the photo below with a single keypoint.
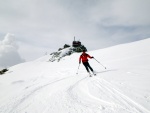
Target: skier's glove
[
  {"x": 92, "y": 57},
  {"x": 79, "y": 62}
]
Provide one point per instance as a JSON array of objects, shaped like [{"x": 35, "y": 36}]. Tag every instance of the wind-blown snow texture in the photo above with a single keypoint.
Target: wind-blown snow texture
[{"x": 53, "y": 87}]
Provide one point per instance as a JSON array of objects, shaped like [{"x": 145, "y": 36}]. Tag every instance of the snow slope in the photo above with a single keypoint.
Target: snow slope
[{"x": 54, "y": 87}]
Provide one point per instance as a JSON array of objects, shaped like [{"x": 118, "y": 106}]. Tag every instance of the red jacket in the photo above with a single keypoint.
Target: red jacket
[{"x": 84, "y": 57}]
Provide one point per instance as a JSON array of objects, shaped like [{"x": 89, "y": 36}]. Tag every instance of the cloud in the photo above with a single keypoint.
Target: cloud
[
  {"x": 9, "y": 55},
  {"x": 132, "y": 12},
  {"x": 121, "y": 12},
  {"x": 33, "y": 51}
]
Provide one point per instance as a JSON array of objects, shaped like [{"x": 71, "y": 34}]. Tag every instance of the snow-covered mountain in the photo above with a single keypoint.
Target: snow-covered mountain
[{"x": 41, "y": 86}]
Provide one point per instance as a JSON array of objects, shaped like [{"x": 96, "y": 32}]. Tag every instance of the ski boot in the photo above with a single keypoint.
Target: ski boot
[{"x": 94, "y": 73}]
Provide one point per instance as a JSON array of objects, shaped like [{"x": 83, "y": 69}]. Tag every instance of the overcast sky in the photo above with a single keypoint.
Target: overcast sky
[{"x": 41, "y": 26}]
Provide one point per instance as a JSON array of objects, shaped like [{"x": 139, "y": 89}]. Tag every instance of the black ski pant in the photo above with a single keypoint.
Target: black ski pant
[{"x": 87, "y": 66}]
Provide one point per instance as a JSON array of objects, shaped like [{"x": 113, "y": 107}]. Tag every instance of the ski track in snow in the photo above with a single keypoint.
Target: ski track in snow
[
  {"x": 123, "y": 101},
  {"x": 120, "y": 102},
  {"x": 75, "y": 98},
  {"x": 17, "y": 101}
]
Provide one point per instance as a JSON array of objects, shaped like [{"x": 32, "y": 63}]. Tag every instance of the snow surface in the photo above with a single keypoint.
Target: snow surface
[{"x": 54, "y": 87}]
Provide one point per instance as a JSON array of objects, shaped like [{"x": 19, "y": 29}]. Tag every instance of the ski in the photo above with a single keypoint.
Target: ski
[
  {"x": 94, "y": 73},
  {"x": 90, "y": 75}
]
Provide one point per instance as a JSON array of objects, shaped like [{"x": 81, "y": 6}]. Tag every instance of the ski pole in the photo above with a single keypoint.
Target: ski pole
[
  {"x": 78, "y": 69},
  {"x": 100, "y": 63}
]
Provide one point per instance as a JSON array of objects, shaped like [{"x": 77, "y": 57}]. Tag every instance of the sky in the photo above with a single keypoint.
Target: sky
[{"x": 43, "y": 26}]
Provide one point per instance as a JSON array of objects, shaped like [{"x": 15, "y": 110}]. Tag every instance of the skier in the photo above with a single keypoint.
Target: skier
[{"x": 84, "y": 57}]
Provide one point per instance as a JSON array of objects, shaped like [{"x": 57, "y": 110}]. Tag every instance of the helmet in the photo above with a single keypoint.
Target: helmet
[{"x": 84, "y": 50}]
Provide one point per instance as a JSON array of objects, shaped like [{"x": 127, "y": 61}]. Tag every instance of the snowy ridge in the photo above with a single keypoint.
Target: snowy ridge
[{"x": 54, "y": 87}]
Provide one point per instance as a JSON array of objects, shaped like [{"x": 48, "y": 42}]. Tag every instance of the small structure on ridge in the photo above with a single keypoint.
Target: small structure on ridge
[{"x": 78, "y": 47}]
